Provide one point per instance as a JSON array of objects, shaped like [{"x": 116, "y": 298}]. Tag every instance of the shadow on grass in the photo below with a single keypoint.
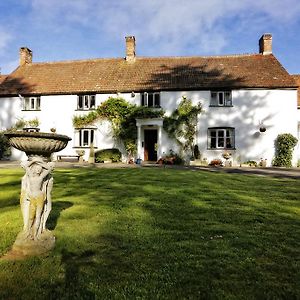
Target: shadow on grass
[
  {"x": 72, "y": 286},
  {"x": 172, "y": 234},
  {"x": 57, "y": 208},
  {"x": 191, "y": 233}
]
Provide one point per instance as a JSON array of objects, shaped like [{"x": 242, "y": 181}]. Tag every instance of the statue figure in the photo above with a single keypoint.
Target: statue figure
[{"x": 35, "y": 197}]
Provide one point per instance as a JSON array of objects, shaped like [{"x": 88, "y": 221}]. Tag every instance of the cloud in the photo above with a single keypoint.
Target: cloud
[
  {"x": 10, "y": 66},
  {"x": 171, "y": 25},
  {"x": 5, "y": 38}
]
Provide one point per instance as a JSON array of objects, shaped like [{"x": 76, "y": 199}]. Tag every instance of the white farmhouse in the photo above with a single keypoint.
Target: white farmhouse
[{"x": 241, "y": 96}]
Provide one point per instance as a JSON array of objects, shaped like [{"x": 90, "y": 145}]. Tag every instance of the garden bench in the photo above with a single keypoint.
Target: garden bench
[{"x": 67, "y": 157}]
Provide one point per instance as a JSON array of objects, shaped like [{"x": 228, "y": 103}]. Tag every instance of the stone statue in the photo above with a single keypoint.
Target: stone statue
[
  {"x": 36, "y": 187},
  {"x": 35, "y": 197}
]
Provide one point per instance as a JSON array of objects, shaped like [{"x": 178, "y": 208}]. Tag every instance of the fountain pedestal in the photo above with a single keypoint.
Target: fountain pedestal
[{"x": 36, "y": 188}]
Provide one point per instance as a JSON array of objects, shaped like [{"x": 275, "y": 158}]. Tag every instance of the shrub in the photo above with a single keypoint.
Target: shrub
[
  {"x": 108, "y": 154},
  {"x": 284, "y": 145},
  {"x": 251, "y": 163},
  {"x": 5, "y": 149}
]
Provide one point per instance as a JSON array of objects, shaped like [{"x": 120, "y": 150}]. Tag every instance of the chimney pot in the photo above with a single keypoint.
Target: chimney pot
[
  {"x": 265, "y": 44},
  {"x": 130, "y": 48},
  {"x": 25, "y": 56}
]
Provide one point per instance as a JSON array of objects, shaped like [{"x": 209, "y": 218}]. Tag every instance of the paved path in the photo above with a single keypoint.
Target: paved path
[{"x": 273, "y": 172}]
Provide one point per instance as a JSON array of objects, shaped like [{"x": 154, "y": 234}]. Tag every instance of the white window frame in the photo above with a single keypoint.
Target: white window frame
[
  {"x": 32, "y": 103},
  {"x": 221, "y": 98},
  {"x": 86, "y": 136},
  {"x": 224, "y": 138},
  {"x": 88, "y": 102},
  {"x": 145, "y": 99}
]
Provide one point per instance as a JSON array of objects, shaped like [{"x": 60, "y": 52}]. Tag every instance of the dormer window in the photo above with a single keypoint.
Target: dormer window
[
  {"x": 150, "y": 99},
  {"x": 86, "y": 102},
  {"x": 32, "y": 103},
  {"x": 221, "y": 98}
]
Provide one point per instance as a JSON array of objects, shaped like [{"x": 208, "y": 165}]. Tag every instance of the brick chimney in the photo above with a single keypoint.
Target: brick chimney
[
  {"x": 265, "y": 44},
  {"x": 130, "y": 48},
  {"x": 25, "y": 56}
]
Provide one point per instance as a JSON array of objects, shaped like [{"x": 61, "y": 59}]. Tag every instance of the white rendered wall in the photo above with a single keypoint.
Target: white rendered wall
[
  {"x": 276, "y": 109},
  {"x": 298, "y": 145}
]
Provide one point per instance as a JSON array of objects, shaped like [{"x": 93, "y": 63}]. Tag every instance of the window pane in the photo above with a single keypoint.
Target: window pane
[
  {"x": 86, "y": 101},
  {"x": 27, "y": 106},
  {"x": 228, "y": 143},
  {"x": 220, "y": 133},
  {"x": 80, "y": 138},
  {"x": 221, "y": 142},
  {"x": 93, "y": 102},
  {"x": 221, "y": 98},
  {"x": 213, "y": 100},
  {"x": 92, "y": 136},
  {"x": 32, "y": 103},
  {"x": 213, "y": 143},
  {"x": 157, "y": 99},
  {"x": 213, "y": 133},
  {"x": 150, "y": 100},
  {"x": 228, "y": 133},
  {"x": 80, "y": 102},
  {"x": 228, "y": 100},
  {"x": 38, "y": 103},
  {"x": 143, "y": 99},
  {"x": 85, "y": 138}
]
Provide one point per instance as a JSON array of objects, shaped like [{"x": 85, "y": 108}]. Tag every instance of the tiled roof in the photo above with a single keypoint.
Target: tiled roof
[
  {"x": 297, "y": 79},
  {"x": 2, "y": 78},
  {"x": 145, "y": 74}
]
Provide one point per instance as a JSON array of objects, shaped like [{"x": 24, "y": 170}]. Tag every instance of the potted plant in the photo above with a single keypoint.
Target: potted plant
[
  {"x": 32, "y": 125},
  {"x": 81, "y": 154}
]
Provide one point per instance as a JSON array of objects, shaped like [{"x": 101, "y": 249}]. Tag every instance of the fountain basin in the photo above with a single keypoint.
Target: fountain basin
[{"x": 37, "y": 143}]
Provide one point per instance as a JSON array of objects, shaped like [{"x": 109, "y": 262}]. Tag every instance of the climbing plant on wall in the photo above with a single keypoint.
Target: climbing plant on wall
[
  {"x": 181, "y": 125},
  {"x": 284, "y": 145}
]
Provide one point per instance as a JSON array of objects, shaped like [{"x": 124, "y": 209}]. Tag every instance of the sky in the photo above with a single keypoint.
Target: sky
[{"x": 57, "y": 30}]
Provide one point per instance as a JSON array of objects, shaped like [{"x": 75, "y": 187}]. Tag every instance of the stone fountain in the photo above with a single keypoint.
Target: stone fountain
[{"x": 36, "y": 187}]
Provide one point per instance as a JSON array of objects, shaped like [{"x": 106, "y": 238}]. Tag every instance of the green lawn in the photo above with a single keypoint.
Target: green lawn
[{"x": 155, "y": 233}]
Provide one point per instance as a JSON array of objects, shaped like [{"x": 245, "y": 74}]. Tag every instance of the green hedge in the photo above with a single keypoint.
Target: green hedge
[{"x": 108, "y": 154}]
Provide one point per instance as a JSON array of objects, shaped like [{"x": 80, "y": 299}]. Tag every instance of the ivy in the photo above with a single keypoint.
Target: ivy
[
  {"x": 122, "y": 116},
  {"x": 85, "y": 120},
  {"x": 182, "y": 124},
  {"x": 284, "y": 145}
]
